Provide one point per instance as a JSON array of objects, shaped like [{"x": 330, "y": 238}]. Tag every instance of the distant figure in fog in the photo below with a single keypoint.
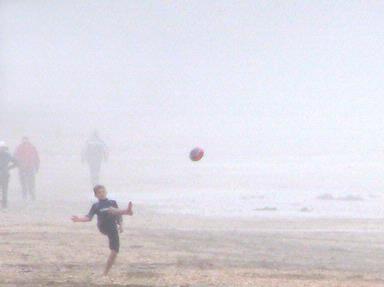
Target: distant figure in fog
[
  {"x": 7, "y": 162},
  {"x": 28, "y": 162},
  {"x": 94, "y": 153}
]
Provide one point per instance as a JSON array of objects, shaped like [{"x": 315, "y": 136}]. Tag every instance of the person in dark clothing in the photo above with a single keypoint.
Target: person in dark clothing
[
  {"x": 109, "y": 221},
  {"x": 28, "y": 163},
  {"x": 94, "y": 153},
  {"x": 7, "y": 162}
]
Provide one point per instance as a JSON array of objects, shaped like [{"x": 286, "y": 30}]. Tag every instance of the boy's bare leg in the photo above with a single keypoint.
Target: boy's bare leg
[
  {"x": 110, "y": 261},
  {"x": 127, "y": 211}
]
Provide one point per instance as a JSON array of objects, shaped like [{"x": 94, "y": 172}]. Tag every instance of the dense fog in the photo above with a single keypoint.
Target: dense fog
[
  {"x": 199, "y": 143},
  {"x": 279, "y": 95}
]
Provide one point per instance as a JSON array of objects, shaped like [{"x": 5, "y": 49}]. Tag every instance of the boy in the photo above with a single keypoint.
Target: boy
[{"x": 108, "y": 220}]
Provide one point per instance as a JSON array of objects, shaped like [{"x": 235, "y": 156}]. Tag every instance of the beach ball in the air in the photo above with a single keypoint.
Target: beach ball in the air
[{"x": 196, "y": 154}]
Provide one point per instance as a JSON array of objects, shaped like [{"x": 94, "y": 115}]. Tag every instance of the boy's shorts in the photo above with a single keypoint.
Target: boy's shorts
[{"x": 113, "y": 237}]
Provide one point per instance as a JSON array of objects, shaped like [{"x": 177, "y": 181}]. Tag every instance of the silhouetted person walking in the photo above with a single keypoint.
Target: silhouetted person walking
[
  {"x": 6, "y": 163},
  {"x": 95, "y": 152},
  {"x": 28, "y": 162}
]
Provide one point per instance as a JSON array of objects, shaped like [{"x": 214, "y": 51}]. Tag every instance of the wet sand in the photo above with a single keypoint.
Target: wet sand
[{"x": 39, "y": 246}]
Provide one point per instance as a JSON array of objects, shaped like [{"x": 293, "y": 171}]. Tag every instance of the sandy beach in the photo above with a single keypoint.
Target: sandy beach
[{"x": 39, "y": 246}]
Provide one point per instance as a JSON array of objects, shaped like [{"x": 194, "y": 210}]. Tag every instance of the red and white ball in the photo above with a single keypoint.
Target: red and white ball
[{"x": 196, "y": 154}]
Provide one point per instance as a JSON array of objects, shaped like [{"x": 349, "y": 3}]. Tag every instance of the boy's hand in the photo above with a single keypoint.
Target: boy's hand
[
  {"x": 121, "y": 229},
  {"x": 75, "y": 218}
]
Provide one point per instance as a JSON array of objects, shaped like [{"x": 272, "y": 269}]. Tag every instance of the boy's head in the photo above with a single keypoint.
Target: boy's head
[{"x": 100, "y": 192}]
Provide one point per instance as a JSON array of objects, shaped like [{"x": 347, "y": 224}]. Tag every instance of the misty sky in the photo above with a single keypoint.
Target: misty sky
[{"x": 268, "y": 77}]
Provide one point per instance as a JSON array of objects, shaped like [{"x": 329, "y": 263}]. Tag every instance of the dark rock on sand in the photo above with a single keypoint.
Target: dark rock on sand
[
  {"x": 306, "y": 209},
  {"x": 266, "y": 209},
  {"x": 350, "y": 198},
  {"x": 326, "y": 196}
]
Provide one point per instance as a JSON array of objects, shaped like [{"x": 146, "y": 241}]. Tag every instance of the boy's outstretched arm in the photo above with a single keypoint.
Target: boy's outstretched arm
[
  {"x": 76, "y": 218},
  {"x": 117, "y": 211},
  {"x": 85, "y": 218}
]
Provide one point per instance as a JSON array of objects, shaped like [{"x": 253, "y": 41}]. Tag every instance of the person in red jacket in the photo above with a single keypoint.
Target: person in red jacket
[{"x": 28, "y": 161}]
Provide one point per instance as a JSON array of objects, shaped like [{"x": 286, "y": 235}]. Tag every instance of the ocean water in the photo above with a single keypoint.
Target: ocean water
[
  {"x": 341, "y": 187},
  {"x": 246, "y": 204}
]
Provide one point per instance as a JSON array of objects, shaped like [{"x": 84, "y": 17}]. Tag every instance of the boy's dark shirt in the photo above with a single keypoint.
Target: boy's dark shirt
[{"x": 105, "y": 221}]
